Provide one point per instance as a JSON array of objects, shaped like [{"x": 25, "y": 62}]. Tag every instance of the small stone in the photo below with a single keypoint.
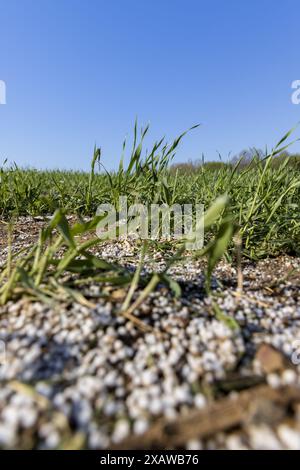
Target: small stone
[
  {"x": 270, "y": 359},
  {"x": 274, "y": 380},
  {"x": 289, "y": 437},
  {"x": 263, "y": 438},
  {"x": 140, "y": 426},
  {"x": 194, "y": 444},
  {"x": 289, "y": 377},
  {"x": 200, "y": 401},
  {"x": 121, "y": 430}
]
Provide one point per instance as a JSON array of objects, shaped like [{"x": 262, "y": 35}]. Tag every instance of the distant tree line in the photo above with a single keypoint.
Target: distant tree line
[{"x": 244, "y": 159}]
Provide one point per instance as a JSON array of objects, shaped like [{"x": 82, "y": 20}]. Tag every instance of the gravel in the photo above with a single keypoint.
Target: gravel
[{"x": 78, "y": 377}]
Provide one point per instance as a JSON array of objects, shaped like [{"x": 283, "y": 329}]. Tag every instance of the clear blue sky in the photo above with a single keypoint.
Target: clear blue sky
[{"x": 78, "y": 72}]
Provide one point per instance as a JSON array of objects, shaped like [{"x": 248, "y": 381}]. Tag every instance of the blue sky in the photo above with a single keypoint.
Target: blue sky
[{"x": 79, "y": 72}]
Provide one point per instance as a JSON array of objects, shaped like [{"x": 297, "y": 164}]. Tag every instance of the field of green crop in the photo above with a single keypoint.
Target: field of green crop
[{"x": 251, "y": 211}]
